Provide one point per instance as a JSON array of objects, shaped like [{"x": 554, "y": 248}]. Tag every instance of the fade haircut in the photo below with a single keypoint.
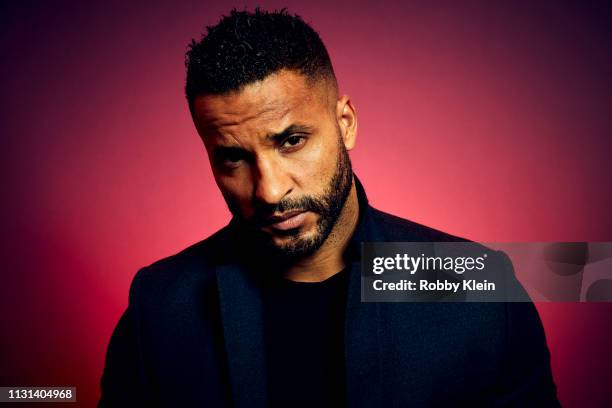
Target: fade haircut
[{"x": 246, "y": 47}]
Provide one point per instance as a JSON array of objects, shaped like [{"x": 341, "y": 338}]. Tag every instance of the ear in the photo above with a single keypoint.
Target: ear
[{"x": 347, "y": 121}]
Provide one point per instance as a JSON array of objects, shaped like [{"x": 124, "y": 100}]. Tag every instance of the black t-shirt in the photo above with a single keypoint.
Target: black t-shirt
[{"x": 304, "y": 337}]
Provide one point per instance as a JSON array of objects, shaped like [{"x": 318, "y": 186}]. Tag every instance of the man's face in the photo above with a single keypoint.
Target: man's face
[{"x": 278, "y": 151}]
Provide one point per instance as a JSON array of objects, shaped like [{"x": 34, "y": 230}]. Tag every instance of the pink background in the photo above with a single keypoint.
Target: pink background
[{"x": 486, "y": 120}]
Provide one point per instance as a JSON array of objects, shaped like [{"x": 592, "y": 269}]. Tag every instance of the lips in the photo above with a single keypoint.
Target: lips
[{"x": 287, "y": 221}]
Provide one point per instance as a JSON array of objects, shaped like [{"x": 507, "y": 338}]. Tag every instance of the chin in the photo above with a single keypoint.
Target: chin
[
  {"x": 299, "y": 245},
  {"x": 293, "y": 239}
]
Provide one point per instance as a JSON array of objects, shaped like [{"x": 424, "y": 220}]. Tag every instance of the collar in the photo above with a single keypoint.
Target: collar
[{"x": 363, "y": 231}]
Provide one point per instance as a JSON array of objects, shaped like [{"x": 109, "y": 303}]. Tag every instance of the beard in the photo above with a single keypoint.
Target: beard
[{"x": 328, "y": 206}]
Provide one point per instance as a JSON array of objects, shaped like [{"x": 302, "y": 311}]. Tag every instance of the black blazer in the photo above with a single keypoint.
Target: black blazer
[{"x": 192, "y": 336}]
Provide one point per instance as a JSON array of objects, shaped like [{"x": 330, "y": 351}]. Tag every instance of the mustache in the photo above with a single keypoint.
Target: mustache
[{"x": 262, "y": 214}]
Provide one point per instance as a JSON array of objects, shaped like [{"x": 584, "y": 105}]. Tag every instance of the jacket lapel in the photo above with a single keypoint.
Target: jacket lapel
[
  {"x": 242, "y": 317},
  {"x": 362, "y": 347},
  {"x": 362, "y": 326}
]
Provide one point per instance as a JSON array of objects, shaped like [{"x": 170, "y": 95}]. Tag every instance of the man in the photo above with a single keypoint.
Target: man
[{"x": 267, "y": 311}]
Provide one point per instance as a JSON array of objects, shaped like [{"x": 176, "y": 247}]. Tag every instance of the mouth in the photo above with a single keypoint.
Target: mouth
[{"x": 287, "y": 221}]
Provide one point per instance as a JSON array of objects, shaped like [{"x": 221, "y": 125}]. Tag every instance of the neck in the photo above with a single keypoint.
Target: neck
[{"x": 329, "y": 260}]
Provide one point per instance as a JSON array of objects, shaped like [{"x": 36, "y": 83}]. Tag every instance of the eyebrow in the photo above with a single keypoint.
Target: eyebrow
[
  {"x": 220, "y": 152},
  {"x": 288, "y": 131}
]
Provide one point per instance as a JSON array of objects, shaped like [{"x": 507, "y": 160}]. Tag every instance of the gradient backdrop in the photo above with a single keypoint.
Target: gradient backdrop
[{"x": 486, "y": 119}]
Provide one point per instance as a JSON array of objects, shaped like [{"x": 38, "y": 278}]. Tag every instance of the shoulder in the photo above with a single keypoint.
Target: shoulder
[
  {"x": 192, "y": 266},
  {"x": 394, "y": 228}
]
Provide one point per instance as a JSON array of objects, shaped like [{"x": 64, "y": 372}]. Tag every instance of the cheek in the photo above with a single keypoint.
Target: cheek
[{"x": 318, "y": 165}]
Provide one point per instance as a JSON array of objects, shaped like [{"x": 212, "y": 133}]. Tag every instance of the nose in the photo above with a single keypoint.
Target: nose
[{"x": 272, "y": 182}]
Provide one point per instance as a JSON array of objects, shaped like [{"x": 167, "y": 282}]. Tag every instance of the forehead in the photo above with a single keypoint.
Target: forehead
[{"x": 279, "y": 98}]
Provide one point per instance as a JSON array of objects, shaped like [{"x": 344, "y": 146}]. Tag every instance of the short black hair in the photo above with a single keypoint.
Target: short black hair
[{"x": 246, "y": 47}]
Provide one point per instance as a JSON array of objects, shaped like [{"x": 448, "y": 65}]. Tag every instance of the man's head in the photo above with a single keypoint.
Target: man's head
[
  {"x": 263, "y": 96},
  {"x": 246, "y": 47}
]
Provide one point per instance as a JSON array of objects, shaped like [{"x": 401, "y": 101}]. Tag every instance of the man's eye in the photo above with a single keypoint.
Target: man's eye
[
  {"x": 233, "y": 157},
  {"x": 293, "y": 142},
  {"x": 230, "y": 158},
  {"x": 232, "y": 161}
]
